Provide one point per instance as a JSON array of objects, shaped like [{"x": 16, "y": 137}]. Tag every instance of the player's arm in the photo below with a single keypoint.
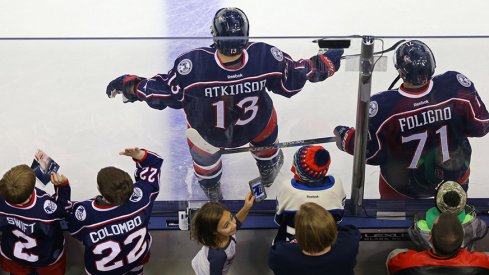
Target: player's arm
[
  {"x": 148, "y": 166},
  {"x": 62, "y": 193},
  {"x": 346, "y": 142},
  {"x": 477, "y": 116},
  {"x": 158, "y": 92},
  {"x": 296, "y": 73}
]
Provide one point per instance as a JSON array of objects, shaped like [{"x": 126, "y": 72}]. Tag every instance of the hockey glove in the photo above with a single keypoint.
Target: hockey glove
[
  {"x": 344, "y": 135},
  {"x": 325, "y": 64},
  {"x": 125, "y": 84}
]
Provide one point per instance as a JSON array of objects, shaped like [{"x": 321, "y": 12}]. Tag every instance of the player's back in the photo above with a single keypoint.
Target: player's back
[
  {"x": 115, "y": 237},
  {"x": 420, "y": 138},
  {"x": 31, "y": 233},
  {"x": 228, "y": 106}
]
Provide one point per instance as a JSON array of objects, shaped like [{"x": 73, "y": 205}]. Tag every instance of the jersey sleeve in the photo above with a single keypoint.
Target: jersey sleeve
[
  {"x": 148, "y": 171},
  {"x": 294, "y": 74},
  {"x": 62, "y": 198},
  {"x": 477, "y": 115},
  {"x": 217, "y": 258},
  {"x": 161, "y": 91}
]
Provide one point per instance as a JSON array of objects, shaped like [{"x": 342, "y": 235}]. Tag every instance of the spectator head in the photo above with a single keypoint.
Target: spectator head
[
  {"x": 447, "y": 234},
  {"x": 450, "y": 197},
  {"x": 17, "y": 185},
  {"x": 311, "y": 163},
  {"x": 115, "y": 185},
  {"x": 315, "y": 228},
  {"x": 211, "y": 223}
]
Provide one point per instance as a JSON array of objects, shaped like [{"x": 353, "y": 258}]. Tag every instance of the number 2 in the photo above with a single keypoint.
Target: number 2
[
  {"x": 20, "y": 246},
  {"x": 422, "y": 141}
]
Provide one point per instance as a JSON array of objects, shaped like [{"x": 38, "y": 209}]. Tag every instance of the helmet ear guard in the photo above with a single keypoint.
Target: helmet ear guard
[
  {"x": 230, "y": 22},
  {"x": 415, "y": 62}
]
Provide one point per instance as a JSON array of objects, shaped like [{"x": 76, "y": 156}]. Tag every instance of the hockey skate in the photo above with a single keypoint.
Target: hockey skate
[
  {"x": 213, "y": 193},
  {"x": 269, "y": 169}
]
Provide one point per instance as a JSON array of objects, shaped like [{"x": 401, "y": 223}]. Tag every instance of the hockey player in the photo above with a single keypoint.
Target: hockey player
[
  {"x": 223, "y": 91},
  {"x": 113, "y": 227},
  {"x": 32, "y": 240},
  {"x": 418, "y": 132}
]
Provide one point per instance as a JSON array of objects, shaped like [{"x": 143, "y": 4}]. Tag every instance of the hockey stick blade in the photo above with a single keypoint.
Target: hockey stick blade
[
  {"x": 390, "y": 49},
  {"x": 198, "y": 141}
]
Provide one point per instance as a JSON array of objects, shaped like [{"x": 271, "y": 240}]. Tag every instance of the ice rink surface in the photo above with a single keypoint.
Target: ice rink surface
[{"x": 53, "y": 91}]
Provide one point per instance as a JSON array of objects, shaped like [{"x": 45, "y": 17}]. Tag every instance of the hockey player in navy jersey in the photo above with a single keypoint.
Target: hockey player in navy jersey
[
  {"x": 113, "y": 227},
  {"x": 418, "y": 132},
  {"x": 32, "y": 241},
  {"x": 223, "y": 91}
]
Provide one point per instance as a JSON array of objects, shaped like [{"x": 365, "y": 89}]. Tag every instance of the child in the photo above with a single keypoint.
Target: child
[
  {"x": 311, "y": 183},
  {"x": 32, "y": 239},
  {"x": 450, "y": 197},
  {"x": 114, "y": 226},
  {"x": 215, "y": 227}
]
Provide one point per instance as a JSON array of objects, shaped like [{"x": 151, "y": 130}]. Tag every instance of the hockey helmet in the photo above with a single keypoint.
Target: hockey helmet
[
  {"x": 415, "y": 62},
  {"x": 230, "y": 22}
]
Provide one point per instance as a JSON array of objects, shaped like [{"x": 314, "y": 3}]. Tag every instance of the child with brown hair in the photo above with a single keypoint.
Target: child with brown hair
[
  {"x": 215, "y": 227},
  {"x": 320, "y": 246},
  {"x": 114, "y": 225},
  {"x": 32, "y": 240}
]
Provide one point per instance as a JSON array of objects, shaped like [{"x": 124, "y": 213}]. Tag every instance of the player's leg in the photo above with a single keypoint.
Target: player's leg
[
  {"x": 270, "y": 161},
  {"x": 208, "y": 169}
]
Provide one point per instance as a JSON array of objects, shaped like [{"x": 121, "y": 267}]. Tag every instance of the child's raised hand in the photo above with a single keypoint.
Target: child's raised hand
[
  {"x": 249, "y": 200},
  {"x": 58, "y": 179},
  {"x": 135, "y": 153}
]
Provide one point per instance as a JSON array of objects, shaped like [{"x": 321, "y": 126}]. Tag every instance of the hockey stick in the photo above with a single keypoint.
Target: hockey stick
[
  {"x": 391, "y": 48},
  {"x": 198, "y": 141}
]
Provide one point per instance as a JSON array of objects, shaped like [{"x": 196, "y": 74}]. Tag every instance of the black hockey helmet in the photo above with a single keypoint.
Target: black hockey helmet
[
  {"x": 230, "y": 22},
  {"x": 415, "y": 62}
]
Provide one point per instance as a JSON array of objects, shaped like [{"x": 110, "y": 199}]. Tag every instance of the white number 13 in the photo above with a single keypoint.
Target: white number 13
[{"x": 252, "y": 107}]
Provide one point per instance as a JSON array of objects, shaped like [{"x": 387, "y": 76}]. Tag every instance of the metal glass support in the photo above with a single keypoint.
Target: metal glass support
[{"x": 361, "y": 126}]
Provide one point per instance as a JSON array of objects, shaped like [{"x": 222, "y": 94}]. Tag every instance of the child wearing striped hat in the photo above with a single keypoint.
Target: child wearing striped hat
[{"x": 310, "y": 183}]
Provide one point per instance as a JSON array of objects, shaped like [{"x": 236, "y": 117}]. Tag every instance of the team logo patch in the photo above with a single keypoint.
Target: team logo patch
[
  {"x": 50, "y": 207},
  {"x": 80, "y": 213},
  {"x": 463, "y": 80},
  {"x": 137, "y": 195},
  {"x": 373, "y": 108},
  {"x": 277, "y": 54},
  {"x": 184, "y": 67}
]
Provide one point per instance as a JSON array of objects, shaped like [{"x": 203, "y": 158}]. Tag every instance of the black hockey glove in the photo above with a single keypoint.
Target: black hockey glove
[
  {"x": 344, "y": 134},
  {"x": 125, "y": 84},
  {"x": 325, "y": 64}
]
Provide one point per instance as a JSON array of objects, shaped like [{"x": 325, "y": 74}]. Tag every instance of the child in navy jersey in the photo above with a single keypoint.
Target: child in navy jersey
[
  {"x": 32, "y": 240},
  {"x": 215, "y": 227},
  {"x": 114, "y": 225}
]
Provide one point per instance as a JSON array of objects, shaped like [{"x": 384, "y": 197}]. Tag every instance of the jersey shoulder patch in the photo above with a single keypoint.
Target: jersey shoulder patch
[
  {"x": 277, "y": 54},
  {"x": 463, "y": 80},
  {"x": 373, "y": 108},
  {"x": 80, "y": 213},
  {"x": 184, "y": 67}
]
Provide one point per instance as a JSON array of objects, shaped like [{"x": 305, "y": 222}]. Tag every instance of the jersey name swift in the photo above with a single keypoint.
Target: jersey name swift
[{"x": 25, "y": 227}]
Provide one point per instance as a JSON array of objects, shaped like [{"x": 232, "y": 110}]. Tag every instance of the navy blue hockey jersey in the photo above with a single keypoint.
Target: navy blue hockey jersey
[
  {"x": 227, "y": 106},
  {"x": 31, "y": 233},
  {"x": 420, "y": 139},
  {"x": 116, "y": 238}
]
